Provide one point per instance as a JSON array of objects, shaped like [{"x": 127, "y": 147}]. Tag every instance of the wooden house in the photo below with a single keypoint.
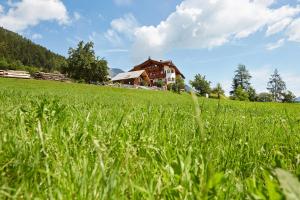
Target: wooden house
[
  {"x": 139, "y": 77},
  {"x": 159, "y": 71}
]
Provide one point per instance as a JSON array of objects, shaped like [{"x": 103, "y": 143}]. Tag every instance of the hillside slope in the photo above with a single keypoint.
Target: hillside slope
[{"x": 16, "y": 51}]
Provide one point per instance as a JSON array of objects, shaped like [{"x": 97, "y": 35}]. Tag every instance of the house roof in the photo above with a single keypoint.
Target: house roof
[
  {"x": 161, "y": 63},
  {"x": 128, "y": 75}
]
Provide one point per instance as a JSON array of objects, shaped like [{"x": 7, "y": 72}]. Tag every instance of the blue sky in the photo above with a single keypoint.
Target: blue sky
[{"x": 210, "y": 37}]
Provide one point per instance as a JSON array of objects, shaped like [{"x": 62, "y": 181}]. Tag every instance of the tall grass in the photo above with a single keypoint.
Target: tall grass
[{"x": 73, "y": 141}]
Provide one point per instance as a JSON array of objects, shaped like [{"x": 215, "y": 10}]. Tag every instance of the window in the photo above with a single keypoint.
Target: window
[
  {"x": 173, "y": 79},
  {"x": 169, "y": 79}
]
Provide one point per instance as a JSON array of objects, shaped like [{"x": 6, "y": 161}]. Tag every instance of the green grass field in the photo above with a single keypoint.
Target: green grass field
[{"x": 75, "y": 141}]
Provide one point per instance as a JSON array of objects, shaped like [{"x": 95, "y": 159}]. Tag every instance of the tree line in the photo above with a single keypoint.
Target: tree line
[
  {"x": 19, "y": 53},
  {"x": 242, "y": 89},
  {"x": 82, "y": 64}
]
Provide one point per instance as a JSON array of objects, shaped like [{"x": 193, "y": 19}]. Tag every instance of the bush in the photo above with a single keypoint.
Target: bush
[
  {"x": 216, "y": 96},
  {"x": 17, "y": 65},
  {"x": 3, "y": 64},
  {"x": 288, "y": 97},
  {"x": 264, "y": 97},
  {"x": 178, "y": 86},
  {"x": 160, "y": 83},
  {"x": 240, "y": 94}
]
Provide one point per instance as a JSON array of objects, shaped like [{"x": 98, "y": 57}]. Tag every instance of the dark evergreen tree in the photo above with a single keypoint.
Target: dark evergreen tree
[
  {"x": 241, "y": 78},
  {"x": 252, "y": 94}
]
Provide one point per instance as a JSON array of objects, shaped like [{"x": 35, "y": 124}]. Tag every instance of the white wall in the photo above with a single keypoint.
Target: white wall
[{"x": 170, "y": 74}]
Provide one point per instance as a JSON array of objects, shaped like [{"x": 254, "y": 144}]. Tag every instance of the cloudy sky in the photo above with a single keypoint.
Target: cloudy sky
[{"x": 210, "y": 37}]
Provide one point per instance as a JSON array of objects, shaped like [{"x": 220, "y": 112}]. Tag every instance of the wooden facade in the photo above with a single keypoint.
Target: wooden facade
[
  {"x": 133, "y": 78},
  {"x": 159, "y": 71}
]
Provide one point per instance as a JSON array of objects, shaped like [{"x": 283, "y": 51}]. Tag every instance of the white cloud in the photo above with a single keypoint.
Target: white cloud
[
  {"x": 36, "y": 36},
  {"x": 125, "y": 25},
  {"x": 116, "y": 50},
  {"x": 123, "y": 2},
  {"x": 278, "y": 26},
  {"x": 27, "y": 13},
  {"x": 1, "y": 9},
  {"x": 275, "y": 45},
  {"x": 77, "y": 16},
  {"x": 209, "y": 23},
  {"x": 293, "y": 32},
  {"x": 113, "y": 37}
]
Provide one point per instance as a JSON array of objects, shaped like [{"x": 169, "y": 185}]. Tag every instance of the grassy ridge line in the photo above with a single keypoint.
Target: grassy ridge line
[{"x": 67, "y": 141}]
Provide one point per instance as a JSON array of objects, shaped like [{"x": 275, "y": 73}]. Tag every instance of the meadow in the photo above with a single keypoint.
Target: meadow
[{"x": 76, "y": 141}]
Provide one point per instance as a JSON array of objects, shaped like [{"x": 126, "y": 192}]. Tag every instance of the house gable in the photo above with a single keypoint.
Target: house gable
[{"x": 156, "y": 69}]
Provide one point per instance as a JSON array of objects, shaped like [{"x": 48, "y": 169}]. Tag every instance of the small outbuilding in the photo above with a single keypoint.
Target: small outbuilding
[{"x": 132, "y": 78}]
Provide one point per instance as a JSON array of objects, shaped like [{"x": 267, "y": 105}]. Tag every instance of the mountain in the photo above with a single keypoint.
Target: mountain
[
  {"x": 114, "y": 71},
  {"x": 189, "y": 89},
  {"x": 17, "y": 51},
  {"x": 297, "y": 99}
]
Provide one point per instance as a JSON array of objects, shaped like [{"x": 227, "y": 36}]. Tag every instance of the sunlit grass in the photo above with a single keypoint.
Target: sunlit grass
[{"x": 76, "y": 141}]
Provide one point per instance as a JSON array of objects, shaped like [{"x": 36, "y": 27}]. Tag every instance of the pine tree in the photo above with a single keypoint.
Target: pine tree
[
  {"x": 276, "y": 86},
  {"x": 241, "y": 78}
]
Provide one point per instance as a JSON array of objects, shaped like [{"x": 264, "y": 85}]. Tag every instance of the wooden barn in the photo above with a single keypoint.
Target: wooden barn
[{"x": 139, "y": 77}]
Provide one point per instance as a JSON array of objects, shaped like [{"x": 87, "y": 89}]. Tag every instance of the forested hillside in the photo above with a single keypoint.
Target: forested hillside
[{"x": 17, "y": 52}]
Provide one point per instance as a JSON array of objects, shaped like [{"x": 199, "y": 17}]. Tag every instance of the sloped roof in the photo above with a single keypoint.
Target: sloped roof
[
  {"x": 128, "y": 75},
  {"x": 161, "y": 62}
]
